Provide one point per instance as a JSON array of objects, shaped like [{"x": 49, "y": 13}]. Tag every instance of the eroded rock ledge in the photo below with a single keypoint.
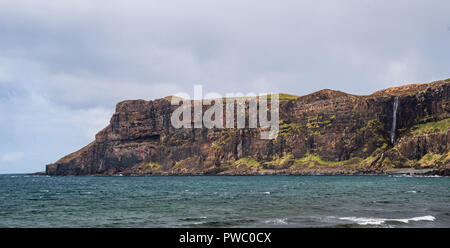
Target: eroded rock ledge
[{"x": 327, "y": 132}]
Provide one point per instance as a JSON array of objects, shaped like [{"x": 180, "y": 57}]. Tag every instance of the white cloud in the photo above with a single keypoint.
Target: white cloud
[
  {"x": 90, "y": 121},
  {"x": 404, "y": 70},
  {"x": 9, "y": 157}
]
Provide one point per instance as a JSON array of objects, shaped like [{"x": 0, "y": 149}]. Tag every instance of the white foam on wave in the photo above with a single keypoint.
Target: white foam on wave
[
  {"x": 278, "y": 221},
  {"x": 267, "y": 193},
  {"x": 199, "y": 223},
  {"x": 379, "y": 221},
  {"x": 425, "y": 176},
  {"x": 411, "y": 191}
]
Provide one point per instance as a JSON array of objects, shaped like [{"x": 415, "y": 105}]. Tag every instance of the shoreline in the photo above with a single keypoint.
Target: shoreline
[{"x": 399, "y": 171}]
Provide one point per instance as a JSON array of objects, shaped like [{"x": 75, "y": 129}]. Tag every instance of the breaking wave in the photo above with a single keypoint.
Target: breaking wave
[
  {"x": 278, "y": 221},
  {"x": 380, "y": 221}
]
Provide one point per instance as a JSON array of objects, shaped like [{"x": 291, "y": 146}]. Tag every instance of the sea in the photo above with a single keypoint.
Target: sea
[{"x": 379, "y": 201}]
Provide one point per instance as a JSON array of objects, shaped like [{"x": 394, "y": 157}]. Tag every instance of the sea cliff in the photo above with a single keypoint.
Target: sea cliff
[{"x": 326, "y": 132}]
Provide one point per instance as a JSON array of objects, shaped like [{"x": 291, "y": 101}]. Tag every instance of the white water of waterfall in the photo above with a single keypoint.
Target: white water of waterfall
[{"x": 394, "y": 120}]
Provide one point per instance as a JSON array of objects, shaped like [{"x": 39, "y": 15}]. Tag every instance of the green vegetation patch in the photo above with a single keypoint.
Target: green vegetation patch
[
  {"x": 288, "y": 129},
  {"x": 227, "y": 134},
  {"x": 432, "y": 127},
  {"x": 313, "y": 160},
  {"x": 248, "y": 163},
  {"x": 316, "y": 123},
  {"x": 281, "y": 162},
  {"x": 150, "y": 165},
  {"x": 387, "y": 163},
  {"x": 433, "y": 160},
  {"x": 374, "y": 124},
  {"x": 283, "y": 96},
  {"x": 369, "y": 160}
]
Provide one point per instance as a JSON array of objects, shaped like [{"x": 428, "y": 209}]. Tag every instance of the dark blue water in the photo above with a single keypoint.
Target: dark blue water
[{"x": 224, "y": 201}]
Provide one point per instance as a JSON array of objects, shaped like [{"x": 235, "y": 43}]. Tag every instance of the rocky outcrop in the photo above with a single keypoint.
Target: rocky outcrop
[{"x": 327, "y": 132}]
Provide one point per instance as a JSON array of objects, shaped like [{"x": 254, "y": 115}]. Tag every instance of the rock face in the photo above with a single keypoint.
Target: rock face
[{"x": 328, "y": 132}]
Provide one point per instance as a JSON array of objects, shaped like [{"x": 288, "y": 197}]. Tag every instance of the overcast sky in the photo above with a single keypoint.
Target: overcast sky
[{"x": 65, "y": 64}]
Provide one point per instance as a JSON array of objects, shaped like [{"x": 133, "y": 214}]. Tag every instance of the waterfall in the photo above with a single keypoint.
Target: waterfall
[{"x": 394, "y": 120}]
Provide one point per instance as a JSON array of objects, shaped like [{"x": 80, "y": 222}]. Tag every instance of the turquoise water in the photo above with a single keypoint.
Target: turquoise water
[{"x": 224, "y": 201}]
